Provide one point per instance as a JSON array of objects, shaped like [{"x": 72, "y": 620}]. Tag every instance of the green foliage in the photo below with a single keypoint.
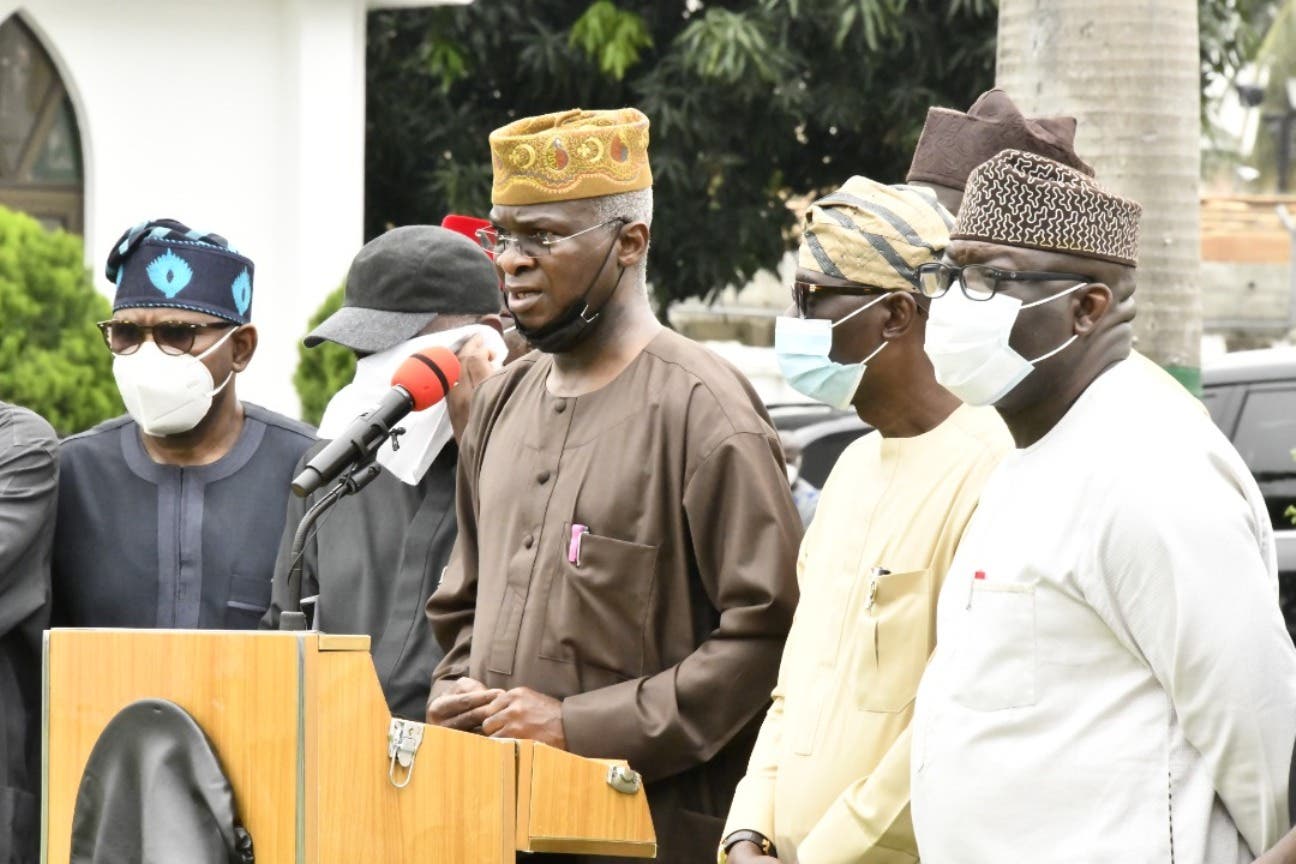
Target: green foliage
[
  {"x": 1277, "y": 43},
  {"x": 726, "y": 46},
  {"x": 750, "y": 102},
  {"x": 52, "y": 359},
  {"x": 1239, "y": 32},
  {"x": 613, "y": 37},
  {"x": 877, "y": 20},
  {"x": 1231, "y": 32},
  {"x": 444, "y": 61},
  {"x": 1277, "y": 55},
  {"x": 324, "y": 369}
]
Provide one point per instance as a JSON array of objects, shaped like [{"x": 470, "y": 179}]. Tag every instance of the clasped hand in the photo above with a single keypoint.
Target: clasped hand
[{"x": 470, "y": 706}]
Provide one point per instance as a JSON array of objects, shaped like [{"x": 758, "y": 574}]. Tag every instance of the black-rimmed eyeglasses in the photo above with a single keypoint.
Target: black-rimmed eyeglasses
[{"x": 981, "y": 281}]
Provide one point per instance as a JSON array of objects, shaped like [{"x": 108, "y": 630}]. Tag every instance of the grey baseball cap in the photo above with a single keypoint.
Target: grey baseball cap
[{"x": 400, "y": 281}]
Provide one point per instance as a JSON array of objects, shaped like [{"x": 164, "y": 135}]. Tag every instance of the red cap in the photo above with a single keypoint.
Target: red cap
[
  {"x": 465, "y": 225},
  {"x": 427, "y": 376}
]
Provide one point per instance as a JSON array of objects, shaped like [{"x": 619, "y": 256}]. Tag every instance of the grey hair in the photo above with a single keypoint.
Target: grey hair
[{"x": 634, "y": 206}]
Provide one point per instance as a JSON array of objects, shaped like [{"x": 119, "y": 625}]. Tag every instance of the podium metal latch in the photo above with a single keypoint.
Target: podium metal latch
[
  {"x": 623, "y": 780},
  {"x": 403, "y": 740}
]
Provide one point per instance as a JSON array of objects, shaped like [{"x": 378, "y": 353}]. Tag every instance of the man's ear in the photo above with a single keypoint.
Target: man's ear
[
  {"x": 244, "y": 343},
  {"x": 902, "y": 309},
  {"x": 1095, "y": 301},
  {"x": 632, "y": 244}
]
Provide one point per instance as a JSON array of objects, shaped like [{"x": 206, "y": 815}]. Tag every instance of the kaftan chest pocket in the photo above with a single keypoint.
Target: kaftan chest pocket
[
  {"x": 892, "y": 636},
  {"x": 598, "y": 605},
  {"x": 994, "y": 662},
  {"x": 248, "y": 600}
]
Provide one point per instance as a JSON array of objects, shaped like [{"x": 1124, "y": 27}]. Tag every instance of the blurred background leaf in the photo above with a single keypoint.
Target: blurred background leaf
[{"x": 324, "y": 369}]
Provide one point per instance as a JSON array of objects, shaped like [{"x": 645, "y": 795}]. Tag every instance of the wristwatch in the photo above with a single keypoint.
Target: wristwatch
[{"x": 735, "y": 837}]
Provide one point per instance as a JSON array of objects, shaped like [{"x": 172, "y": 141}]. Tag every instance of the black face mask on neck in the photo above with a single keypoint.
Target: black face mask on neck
[{"x": 575, "y": 322}]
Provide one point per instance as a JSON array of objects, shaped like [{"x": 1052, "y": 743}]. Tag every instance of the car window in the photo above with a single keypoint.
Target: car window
[
  {"x": 819, "y": 455},
  {"x": 1266, "y": 430}
]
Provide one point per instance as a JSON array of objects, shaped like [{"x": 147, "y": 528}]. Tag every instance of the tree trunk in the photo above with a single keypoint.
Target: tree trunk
[{"x": 1128, "y": 71}]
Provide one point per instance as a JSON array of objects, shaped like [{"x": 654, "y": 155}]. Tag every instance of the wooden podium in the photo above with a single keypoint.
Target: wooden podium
[{"x": 301, "y": 728}]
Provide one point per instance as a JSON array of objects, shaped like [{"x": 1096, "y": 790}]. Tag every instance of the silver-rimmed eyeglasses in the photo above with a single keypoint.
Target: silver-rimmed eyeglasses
[{"x": 533, "y": 245}]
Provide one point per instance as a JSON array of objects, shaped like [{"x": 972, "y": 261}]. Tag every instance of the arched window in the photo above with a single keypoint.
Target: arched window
[{"x": 40, "y": 144}]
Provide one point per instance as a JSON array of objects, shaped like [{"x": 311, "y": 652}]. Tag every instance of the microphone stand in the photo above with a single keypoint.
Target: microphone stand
[{"x": 353, "y": 479}]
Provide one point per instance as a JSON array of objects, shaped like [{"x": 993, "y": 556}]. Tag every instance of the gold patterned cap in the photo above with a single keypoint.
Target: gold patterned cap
[
  {"x": 874, "y": 234},
  {"x": 570, "y": 155},
  {"x": 1021, "y": 199}
]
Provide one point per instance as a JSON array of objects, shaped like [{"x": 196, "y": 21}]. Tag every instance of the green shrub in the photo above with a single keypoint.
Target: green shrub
[
  {"x": 324, "y": 369},
  {"x": 52, "y": 359}
]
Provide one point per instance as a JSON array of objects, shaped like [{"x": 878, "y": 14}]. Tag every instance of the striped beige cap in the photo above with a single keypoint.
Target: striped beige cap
[
  {"x": 1020, "y": 199},
  {"x": 874, "y": 234}
]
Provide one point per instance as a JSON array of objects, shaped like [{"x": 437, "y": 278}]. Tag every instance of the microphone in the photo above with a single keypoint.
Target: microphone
[{"x": 421, "y": 381}]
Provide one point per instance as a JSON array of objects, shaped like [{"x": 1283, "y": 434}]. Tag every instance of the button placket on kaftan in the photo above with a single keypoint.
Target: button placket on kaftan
[{"x": 552, "y": 437}]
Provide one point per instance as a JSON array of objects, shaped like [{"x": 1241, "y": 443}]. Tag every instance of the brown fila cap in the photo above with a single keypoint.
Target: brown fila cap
[{"x": 1021, "y": 199}]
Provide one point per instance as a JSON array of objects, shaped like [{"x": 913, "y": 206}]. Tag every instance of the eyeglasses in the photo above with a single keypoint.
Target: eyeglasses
[
  {"x": 532, "y": 245},
  {"x": 171, "y": 337},
  {"x": 804, "y": 292},
  {"x": 981, "y": 281}
]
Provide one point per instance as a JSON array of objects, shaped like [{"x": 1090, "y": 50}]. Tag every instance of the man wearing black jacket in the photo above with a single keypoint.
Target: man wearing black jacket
[
  {"x": 28, "y": 489},
  {"x": 377, "y": 556}
]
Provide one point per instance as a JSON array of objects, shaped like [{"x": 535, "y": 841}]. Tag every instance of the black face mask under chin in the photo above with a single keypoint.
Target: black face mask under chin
[{"x": 575, "y": 322}]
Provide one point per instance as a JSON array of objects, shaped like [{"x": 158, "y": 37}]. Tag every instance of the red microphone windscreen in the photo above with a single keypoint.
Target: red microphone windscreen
[{"x": 428, "y": 376}]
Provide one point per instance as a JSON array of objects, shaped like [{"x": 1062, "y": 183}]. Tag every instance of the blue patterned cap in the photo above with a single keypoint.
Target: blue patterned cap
[{"x": 165, "y": 263}]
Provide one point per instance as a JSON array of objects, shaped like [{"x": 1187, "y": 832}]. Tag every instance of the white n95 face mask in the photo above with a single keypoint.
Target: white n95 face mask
[
  {"x": 967, "y": 341},
  {"x": 802, "y": 346},
  {"x": 167, "y": 394}
]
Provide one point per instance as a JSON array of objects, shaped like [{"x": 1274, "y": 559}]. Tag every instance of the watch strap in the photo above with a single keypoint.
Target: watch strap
[{"x": 735, "y": 837}]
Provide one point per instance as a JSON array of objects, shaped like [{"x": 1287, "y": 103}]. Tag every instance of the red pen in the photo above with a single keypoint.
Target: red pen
[{"x": 980, "y": 574}]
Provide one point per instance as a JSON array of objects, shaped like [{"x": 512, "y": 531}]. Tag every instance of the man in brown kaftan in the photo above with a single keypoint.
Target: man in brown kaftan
[{"x": 623, "y": 581}]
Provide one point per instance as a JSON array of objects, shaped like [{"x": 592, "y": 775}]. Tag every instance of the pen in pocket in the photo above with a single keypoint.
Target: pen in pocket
[
  {"x": 980, "y": 574},
  {"x": 876, "y": 573},
  {"x": 574, "y": 547}
]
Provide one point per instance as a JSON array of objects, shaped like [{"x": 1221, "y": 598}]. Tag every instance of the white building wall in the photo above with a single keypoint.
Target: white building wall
[{"x": 243, "y": 117}]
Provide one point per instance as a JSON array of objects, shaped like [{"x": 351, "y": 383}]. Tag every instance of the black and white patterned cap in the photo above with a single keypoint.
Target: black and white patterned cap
[{"x": 1021, "y": 199}]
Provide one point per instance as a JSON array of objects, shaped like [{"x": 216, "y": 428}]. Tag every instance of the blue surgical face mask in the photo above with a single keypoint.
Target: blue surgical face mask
[{"x": 803, "y": 346}]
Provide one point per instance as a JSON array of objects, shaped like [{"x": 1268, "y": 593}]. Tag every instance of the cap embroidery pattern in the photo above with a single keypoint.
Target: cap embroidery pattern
[
  {"x": 169, "y": 273},
  {"x": 570, "y": 155},
  {"x": 1021, "y": 199}
]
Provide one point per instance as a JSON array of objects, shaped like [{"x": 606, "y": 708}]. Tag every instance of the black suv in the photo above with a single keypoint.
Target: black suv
[{"x": 1251, "y": 396}]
